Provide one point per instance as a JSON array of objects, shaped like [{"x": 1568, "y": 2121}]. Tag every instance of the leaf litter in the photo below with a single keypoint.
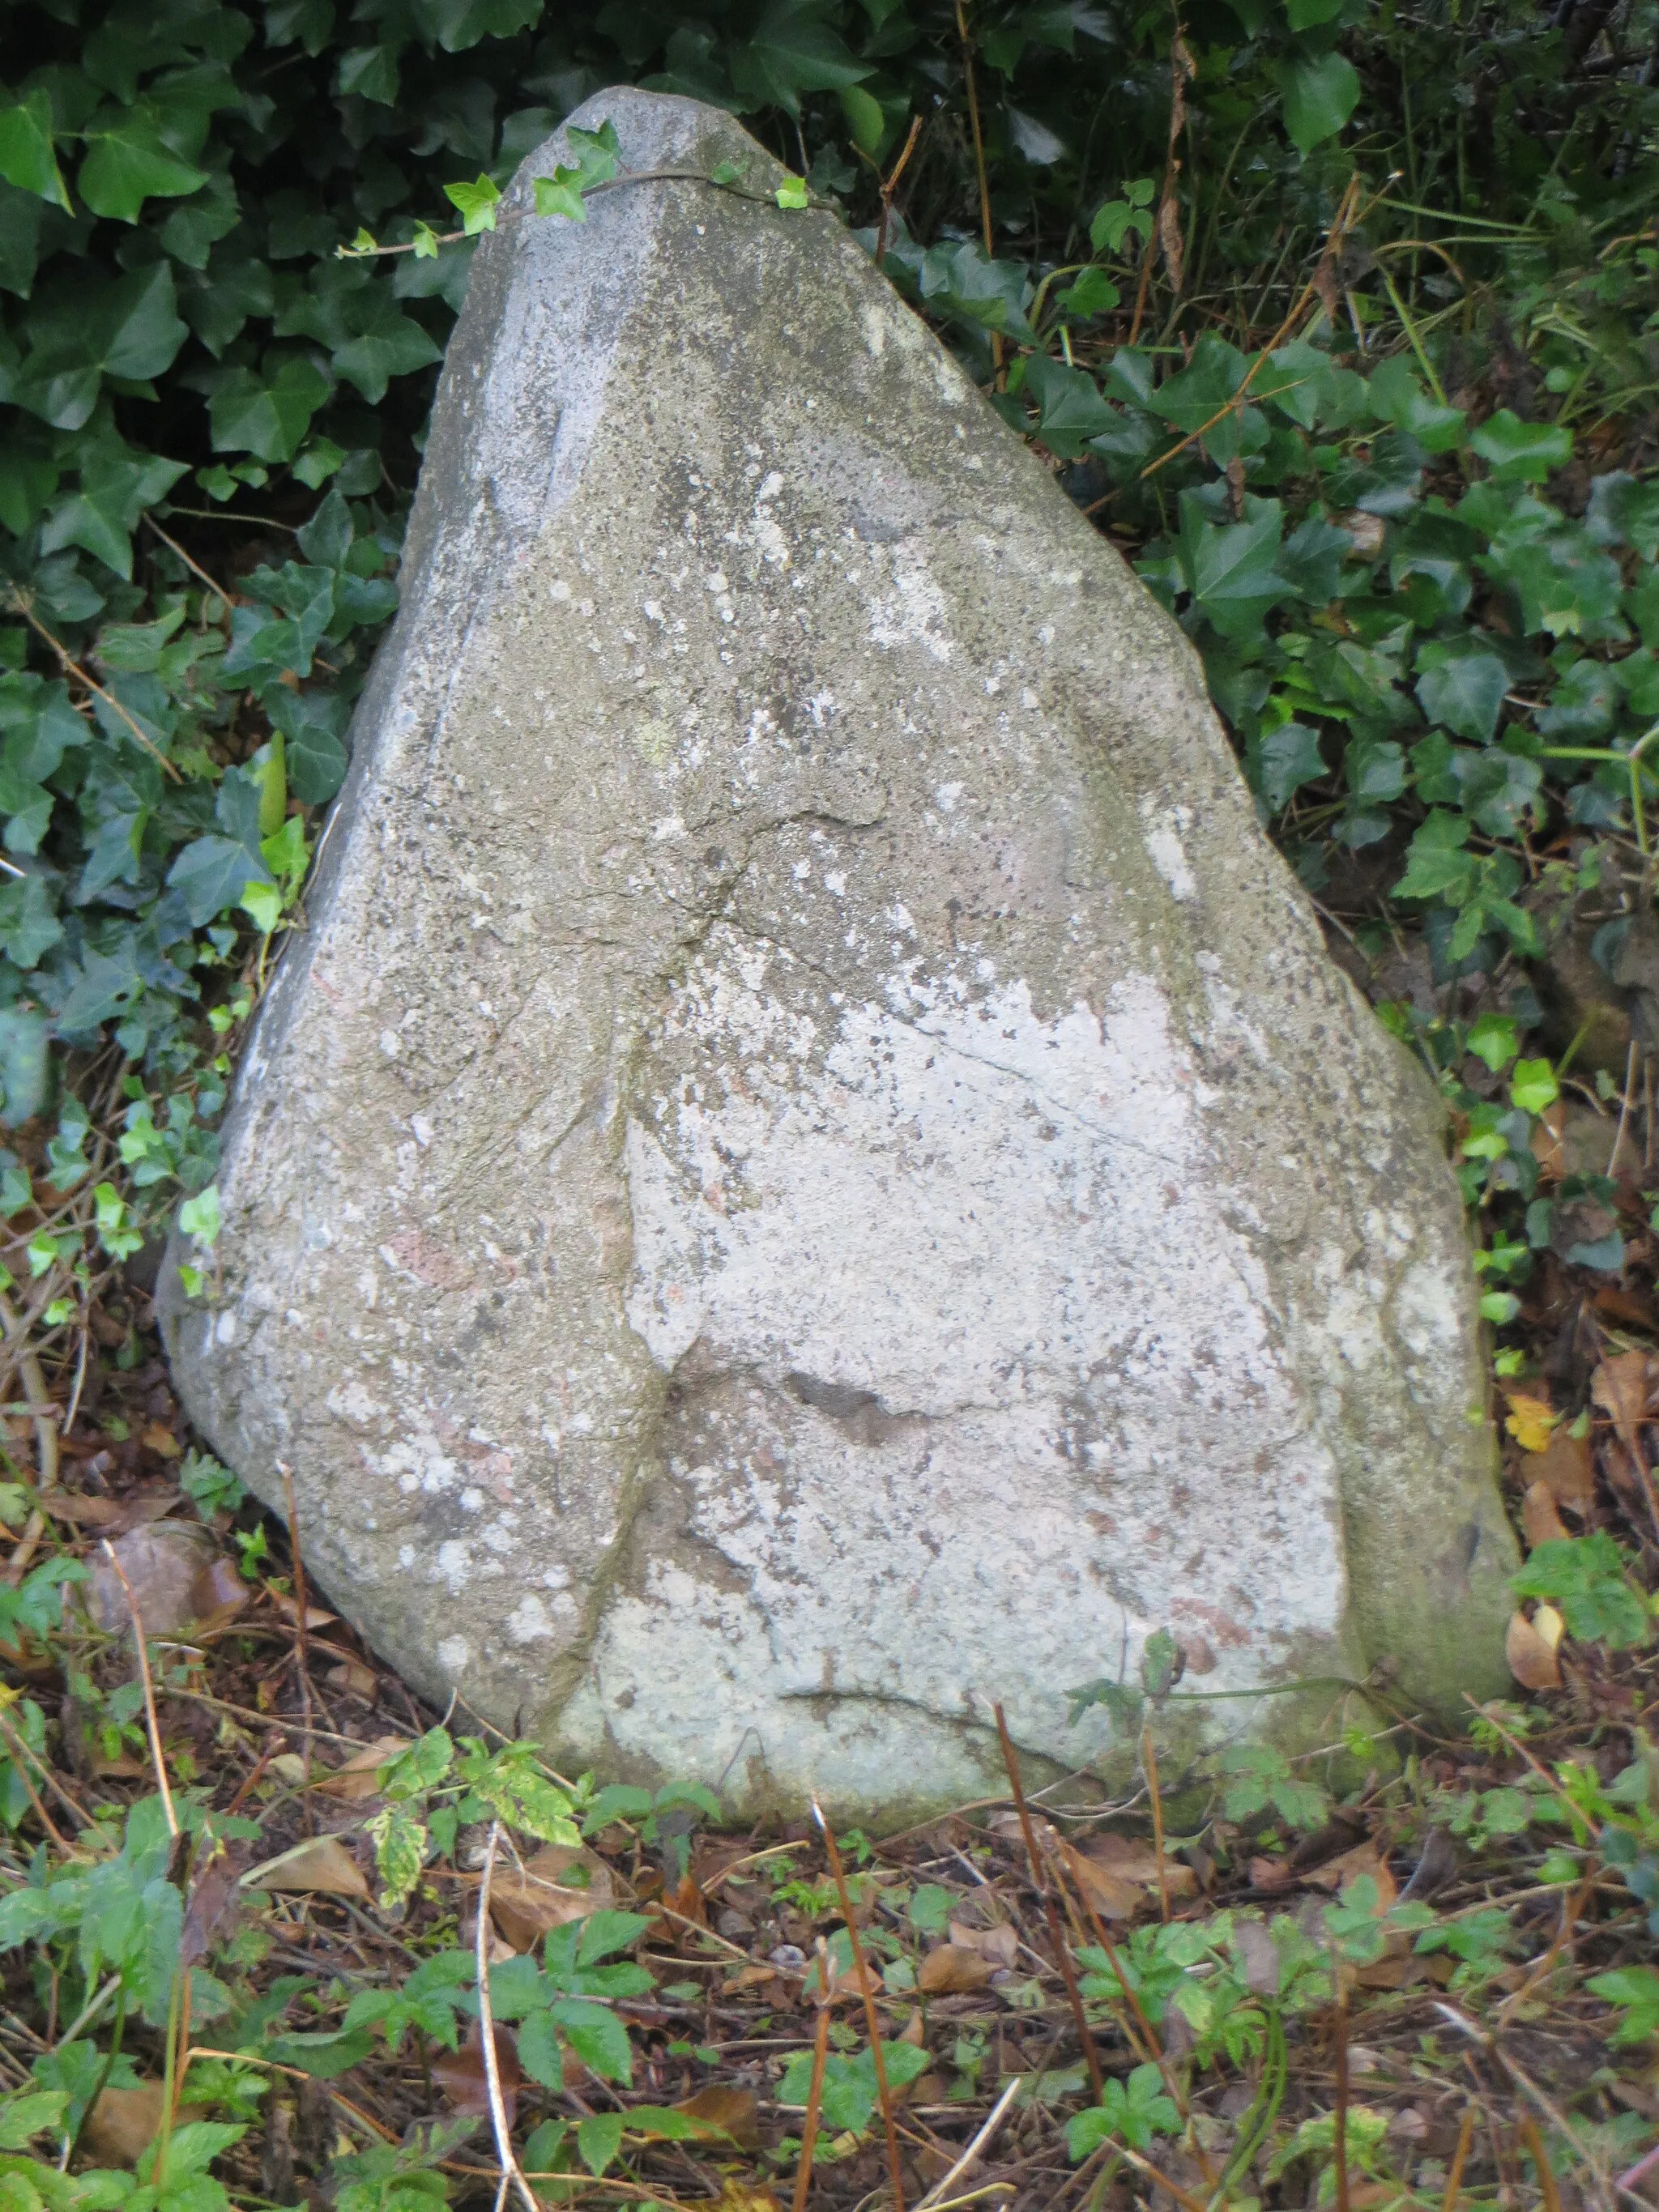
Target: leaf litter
[{"x": 1423, "y": 1931}]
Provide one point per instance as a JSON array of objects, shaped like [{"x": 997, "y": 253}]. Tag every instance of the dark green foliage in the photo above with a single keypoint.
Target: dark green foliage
[{"x": 1430, "y": 619}]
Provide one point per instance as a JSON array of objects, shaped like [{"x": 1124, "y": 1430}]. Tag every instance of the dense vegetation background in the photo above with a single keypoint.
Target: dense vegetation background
[{"x": 1342, "y": 318}]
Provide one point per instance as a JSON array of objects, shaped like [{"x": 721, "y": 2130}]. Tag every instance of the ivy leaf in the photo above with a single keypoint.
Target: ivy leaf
[
  {"x": 793, "y": 50},
  {"x": 1521, "y": 452},
  {"x": 459, "y": 24},
  {"x": 1071, "y": 407},
  {"x": 27, "y": 158},
  {"x": 1462, "y": 687},
  {"x": 1230, "y": 568},
  {"x": 212, "y": 873},
  {"x": 267, "y": 414},
  {"x": 1622, "y": 512},
  {"x": 1437, "y": 861},
  {"x": 117, "y": 485},
  {"x": 1286, "y": 758},
  {"x": 1320, "y": 96},
  {"x": 477, "y": 203},
  {"x": 130, "y": 163}
]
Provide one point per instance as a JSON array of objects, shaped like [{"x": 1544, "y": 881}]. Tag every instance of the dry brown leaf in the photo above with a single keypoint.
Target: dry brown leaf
[
  {"x": 735, "y": 2111},
  {"x": 1540, "y": 1521},
  {"x": 1547, "y": 1148},
  {"x": 1258, "y": 1955},
  {"x": 1126, "y": 1856},
  {"x": 1549, "y": 1624},
  {"x": 123, "y": 2122},
  {"x": 739, "y": 2196},
  {"x": 952, "y": 1969},
  {"x": 460, "y": 2074},
  {"x": 164, "y": 1563},
  {"x": 525, "y": 1904},
  {"x": 1107, "y": 1893},
  {"x": 1271, "y": 1874},
  {"x": 750, "y": 1977},
  {"x": 351, "y": 1674},
  {"x": 1566, "y": 1467},
  {"x": 357, "y": 1777},
  {"x": 321, "y": 1865},
  {"x": 1364, "y": 1859},
  {"x": 1621, "y": 1388},
  {"x": 219, "y": 1595},
  {"x": 1531, "y": 1659},
  {"x": 999, "y": 1945},
  {"x": 289, "y": 1607},
  {"x": 161, "y": 1440}
]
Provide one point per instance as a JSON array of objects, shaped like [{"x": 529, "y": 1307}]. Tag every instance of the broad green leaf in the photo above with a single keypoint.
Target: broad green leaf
[
  {"x": 1072, "y": 411},
  {"x": 212, "y": 873},
  {"x": 1494, "y": 1039},
  {"x": 267, "y": 414},
  {"x": 793, "y": 49},
  {"x": 1462, "y": 688},
  {"x": 598, "y": 2138},
  {"x": 1320, "y": 96},
  {"x": 1396, "y": 396},
  {"x": 1532, "y": 1086},
  {"x": 1585, "y": 1576},
  {"x": 1437, "y": 862},
  {"x": 1288, "y": 757},
  {"x": 1092, "y": 293},
  {"x": 476, "y": 203},
  {"x": 1622, "y": 512},
  {"x": 1521, "y": 452},
  {"x": 27, "y": 158},
  {"x": 1230, "y": 568},
  {"x": 460, "y": 24},
  {"x": 792, "y": 193},
  {"x": 538, "y": 2051},
  {"x": 597, "y": 2036},
  {"x": 129, "y": 162}
]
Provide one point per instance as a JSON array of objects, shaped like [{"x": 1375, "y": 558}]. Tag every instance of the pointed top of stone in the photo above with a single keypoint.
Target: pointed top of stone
[{"x": 810, "y": 1171}]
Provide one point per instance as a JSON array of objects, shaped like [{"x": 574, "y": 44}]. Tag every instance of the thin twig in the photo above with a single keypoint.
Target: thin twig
[
  {"x": 1460, "y": 2160},
  {"x": 151, "y": 1721},
  {"x": 809, "y": 2134},
  {"x": 511, "y": 2170},
  {"x": 1149, "y": 1767},
  {"x": 1056, "y": 1934},
  {"x": 195, "y": 567},
  {"x": 979, "y": 157},
  {"x": 871, "y": 2017},
  {"x": 42, "y": 1410},
  {"x": 72, "y": 667},
  {"x": 975, "y": 2149},
  {"x": 1343, "y": 2200},
  {"x": 889, "y": 185},
  {"x": 301, "y": 1654}
]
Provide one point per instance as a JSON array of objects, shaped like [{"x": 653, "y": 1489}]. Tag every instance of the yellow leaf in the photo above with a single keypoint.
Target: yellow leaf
[{"x": 1530, "y": 1422}]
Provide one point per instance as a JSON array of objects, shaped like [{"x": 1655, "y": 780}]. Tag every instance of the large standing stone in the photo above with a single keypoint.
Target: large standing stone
[{"x": 812, "y": 1172}]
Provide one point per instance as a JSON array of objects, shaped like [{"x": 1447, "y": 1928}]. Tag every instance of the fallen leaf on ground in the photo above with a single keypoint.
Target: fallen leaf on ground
[
  {"x": 289, "y": 1607},
  {"x": 1258, "y": 1958},
  {"x": 999, "y": 1945},
  {"x": 1364, "y": 1859},
  {"x": 1109, "y": 1895},
  {"x": 737, "y": 2111},
  {"x": 357, "y": 1777},
  {"x": 1566, "y": 1467},
  {"x": 1531, "y": 1420},
  {"x": 1129, "y": 1858},
  {"x": 165, "y": 1564},
  {"x": 1540, "y": 1521},
  {"x": 1271, "y": 1874},
  {"x": 460, "y": 2074},
  {"x": 219, "y": 1596},
  {"x": 1531, "y": 1659},
  {"x": 162, "y": 1440},
  {"x": 1549, "y": 1624},
  {"x": 321, "y": 1865},
  {"x": 526, "y": 1902},
  {"x": 351, "y": 1674},
  {"x": 952, "y": 1969},
  {"x": 124, "y": 2123},
  {"x": 743, "y": 2197},
  {"x": 1621, "y": 1388}
]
